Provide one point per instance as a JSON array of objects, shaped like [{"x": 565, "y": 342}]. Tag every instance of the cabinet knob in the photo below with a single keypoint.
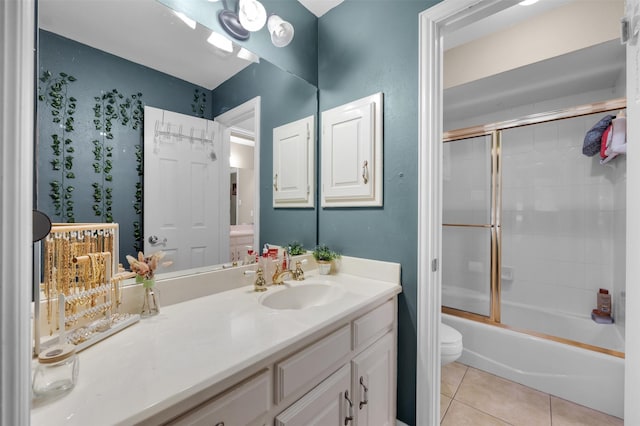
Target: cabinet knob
[
  {"x": 349, "y": 417},
  {"x": 365, "y": 392},
  {"x": 220, "y": 424}
]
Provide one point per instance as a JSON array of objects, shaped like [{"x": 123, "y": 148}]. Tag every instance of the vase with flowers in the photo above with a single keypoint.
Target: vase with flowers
[{"x": 145, "y": 267}]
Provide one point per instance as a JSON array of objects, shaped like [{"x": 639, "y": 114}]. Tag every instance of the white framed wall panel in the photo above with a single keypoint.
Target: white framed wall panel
[
  {"x": 294, "y": 164},
  {"x": 352, "y": 154}
]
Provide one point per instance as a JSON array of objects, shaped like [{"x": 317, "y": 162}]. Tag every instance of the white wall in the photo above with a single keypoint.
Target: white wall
[
  {"x": 242, "y": 157},
  {"x": 568, "y": 28},
  {"x": 246, "y": 195}
]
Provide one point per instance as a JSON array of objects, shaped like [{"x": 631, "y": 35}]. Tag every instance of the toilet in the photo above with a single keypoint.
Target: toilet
[{"x": 450, "y": 344}]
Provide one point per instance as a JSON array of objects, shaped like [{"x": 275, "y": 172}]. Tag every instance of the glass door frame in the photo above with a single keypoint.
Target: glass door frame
[
  {"x": 495, "y": 130},
  {"x": 494, "y": 225}
]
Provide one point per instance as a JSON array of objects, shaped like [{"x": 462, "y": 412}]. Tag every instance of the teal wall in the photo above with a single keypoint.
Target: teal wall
[
  {"x": 365, "y": 47},
  {"x": 299, "y": 57},
  {"x": 95, "y": 73},
  {"x": 283, "y": 98}
]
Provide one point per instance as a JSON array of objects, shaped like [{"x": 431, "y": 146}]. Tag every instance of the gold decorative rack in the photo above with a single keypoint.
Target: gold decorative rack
[{"x": 80, "y": 287}]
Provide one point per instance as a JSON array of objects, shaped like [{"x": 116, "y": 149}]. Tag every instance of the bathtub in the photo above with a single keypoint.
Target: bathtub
[{"x": 583, "y": 376}]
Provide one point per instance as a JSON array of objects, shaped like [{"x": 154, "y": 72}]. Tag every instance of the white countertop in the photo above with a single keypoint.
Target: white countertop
[{"x": 190, "y": 347}]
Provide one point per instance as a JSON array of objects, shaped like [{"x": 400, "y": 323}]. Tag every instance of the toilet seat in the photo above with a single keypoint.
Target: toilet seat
[{"x": 450, "y": 344}]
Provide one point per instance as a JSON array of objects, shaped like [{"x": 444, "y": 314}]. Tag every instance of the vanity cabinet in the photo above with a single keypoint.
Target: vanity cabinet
[
  {"x": 219, "y": 355},
  {"x": 362, "y": 391},
  {"x": 346, "y": 377},
  {"x": 247, "y": 403},
  {"x": 294, "y": 164}
]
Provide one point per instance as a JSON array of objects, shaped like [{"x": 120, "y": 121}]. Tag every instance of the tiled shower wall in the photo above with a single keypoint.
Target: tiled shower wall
[
  {"x": 563, "y": 214},
  {"x": 560, "y": 217}
]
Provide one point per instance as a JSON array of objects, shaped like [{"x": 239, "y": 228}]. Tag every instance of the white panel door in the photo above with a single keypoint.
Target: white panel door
[
  {"x": 374, "y": 384},
  {"x": 352, "y": 154},
  {"x": 293, "y": 164},
  {"x": 182, "y": 189}
]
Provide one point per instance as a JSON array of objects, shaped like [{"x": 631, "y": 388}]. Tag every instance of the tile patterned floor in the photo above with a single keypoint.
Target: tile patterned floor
[{"x": 476, "y": 398}]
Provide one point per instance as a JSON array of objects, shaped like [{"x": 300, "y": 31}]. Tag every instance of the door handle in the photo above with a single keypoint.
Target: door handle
[{"x": 155, "y": 240}]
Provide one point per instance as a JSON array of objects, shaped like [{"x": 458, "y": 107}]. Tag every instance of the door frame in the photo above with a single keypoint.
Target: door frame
[
  {"x": 229, "y": 119},
  {"x": 434, "y": 23},
  {"x": 17, "y": 118}
]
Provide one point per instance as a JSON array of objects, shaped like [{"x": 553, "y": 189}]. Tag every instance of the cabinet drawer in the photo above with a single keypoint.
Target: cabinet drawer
[
  {"x": 241, "y": 405},
  {"x": 369, "y": 327},
  {"x": 308, "y": 367},
  {"x": 326, "y": 404}
]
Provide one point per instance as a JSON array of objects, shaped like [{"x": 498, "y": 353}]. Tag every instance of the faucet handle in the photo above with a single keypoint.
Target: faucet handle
[
  {"x": 260, "y": 284},
  {"x": 298, "y": 274}
]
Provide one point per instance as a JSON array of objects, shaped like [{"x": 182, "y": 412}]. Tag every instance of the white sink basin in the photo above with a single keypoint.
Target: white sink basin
[{"x": 301, "y": 296}]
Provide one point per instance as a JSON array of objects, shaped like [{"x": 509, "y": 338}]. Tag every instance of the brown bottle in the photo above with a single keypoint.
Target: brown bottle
[{"x": 604, "y": 302}]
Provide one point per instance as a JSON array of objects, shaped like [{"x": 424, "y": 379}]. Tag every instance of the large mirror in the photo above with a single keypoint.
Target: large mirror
[{"x": 100, "y": 63}]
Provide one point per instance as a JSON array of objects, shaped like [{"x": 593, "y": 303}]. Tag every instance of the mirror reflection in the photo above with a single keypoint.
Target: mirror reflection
[{"x": 100, "y": 64}]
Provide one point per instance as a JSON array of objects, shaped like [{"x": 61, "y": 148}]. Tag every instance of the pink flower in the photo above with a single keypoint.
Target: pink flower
[{"x": 146, "y": 266}]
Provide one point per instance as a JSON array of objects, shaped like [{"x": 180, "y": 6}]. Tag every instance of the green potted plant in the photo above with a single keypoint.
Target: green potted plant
[
  {"x": 324, "y": 256},
  {"x": 295, "y": 248}
]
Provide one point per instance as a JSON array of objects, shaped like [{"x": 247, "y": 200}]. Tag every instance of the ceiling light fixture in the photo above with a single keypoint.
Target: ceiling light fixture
[
  {"x": 231, "y": 23},
  {"x": 527, "y": 2},
  {"x": 281, "y": 31},
  {"x": 252, "y": 14}
]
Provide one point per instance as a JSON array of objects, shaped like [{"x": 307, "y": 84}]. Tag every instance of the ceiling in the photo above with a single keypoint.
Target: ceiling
[
  {"x": 506, "y": 18},
  {"x": 163, "y": 42},
  {"x": 320, "y": 7},
  {"x": 599, "y": 67},
  {"x": 146, "y": 32}
]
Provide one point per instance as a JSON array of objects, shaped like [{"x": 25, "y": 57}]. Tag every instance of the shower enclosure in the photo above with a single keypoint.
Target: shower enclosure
[{"x": 532, "y": 228}]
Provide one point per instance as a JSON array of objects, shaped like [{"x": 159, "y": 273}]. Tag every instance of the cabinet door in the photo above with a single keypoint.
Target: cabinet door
[
  {"x": 352, "y": 154},
  {"x": 329, "y": 403},
  {"x": 373, "y": 383},
  {"x": 293, "y": 164}
]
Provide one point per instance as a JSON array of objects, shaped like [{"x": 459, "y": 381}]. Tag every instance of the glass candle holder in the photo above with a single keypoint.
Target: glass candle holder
[{"x": 57, "y": 371}]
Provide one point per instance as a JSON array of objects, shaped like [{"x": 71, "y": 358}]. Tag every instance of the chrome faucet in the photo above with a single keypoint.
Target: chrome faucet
[{"x": 278, "y": 276}]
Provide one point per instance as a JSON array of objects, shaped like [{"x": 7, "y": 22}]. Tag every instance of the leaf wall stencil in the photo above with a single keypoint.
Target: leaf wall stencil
[{"x": 53, "y": 91}]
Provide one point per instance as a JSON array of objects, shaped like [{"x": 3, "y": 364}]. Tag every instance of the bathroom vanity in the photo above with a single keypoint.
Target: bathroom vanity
[{"x": 319, "y": 350}]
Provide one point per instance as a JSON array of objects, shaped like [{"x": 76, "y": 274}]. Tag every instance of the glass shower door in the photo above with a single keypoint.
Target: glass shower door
[{"x": 469, "y": 231}]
